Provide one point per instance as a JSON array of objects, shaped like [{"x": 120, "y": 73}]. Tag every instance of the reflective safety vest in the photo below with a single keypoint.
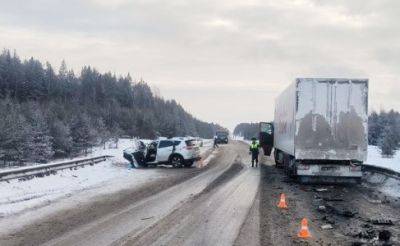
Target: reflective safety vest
[{"x": 254, "y": 145}]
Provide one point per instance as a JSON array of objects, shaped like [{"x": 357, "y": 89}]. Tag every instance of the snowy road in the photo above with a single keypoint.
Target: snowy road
[
  {"x": 198, "y": 202},
  {"x": 225, "y": 203}
]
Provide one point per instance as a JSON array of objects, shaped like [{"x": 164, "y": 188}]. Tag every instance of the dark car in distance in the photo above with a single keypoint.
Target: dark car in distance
[{"x": 222, "y": 137}]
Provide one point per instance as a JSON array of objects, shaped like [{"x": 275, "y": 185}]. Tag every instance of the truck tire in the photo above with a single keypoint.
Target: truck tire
[
  {"x": 279, "y": 158},
  {"x": 176, "y": 160},
  {"x": 292, "y": 172}
]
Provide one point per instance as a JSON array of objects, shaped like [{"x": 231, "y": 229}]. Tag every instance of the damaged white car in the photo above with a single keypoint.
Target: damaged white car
[{"x": 178, "y": 152}]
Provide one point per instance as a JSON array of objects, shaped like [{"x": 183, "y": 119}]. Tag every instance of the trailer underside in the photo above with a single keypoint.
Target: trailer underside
[{"x": 319, "y": 171}]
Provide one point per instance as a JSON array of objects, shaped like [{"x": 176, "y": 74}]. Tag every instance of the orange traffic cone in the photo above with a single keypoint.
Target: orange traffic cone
[
  {"x": 304, "y": 232},
  {"x": 282, "y": 201}
]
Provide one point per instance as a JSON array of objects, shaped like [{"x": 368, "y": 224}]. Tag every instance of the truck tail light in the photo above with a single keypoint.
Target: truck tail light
[{"x": 303, "y": 167}]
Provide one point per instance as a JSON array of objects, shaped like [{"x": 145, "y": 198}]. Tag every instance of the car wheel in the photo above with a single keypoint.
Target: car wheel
[
  {"x": 177, "y": 161},
  {"x": 189, "y": 163}
]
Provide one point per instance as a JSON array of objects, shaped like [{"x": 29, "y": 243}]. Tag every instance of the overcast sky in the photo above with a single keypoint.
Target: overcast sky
[{"x": 224, "y": 61}]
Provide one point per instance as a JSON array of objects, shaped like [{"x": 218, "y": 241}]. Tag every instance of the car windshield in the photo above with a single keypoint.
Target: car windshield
[{"x": 222, "y": 134}]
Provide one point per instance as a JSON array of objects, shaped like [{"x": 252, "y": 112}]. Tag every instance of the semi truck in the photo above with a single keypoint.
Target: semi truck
[{"x": 320, "y": 129}]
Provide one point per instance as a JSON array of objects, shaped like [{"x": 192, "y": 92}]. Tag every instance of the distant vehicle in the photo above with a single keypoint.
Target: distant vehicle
[
  {"x": 222, "y": 137},
  {"x": 320, "y": 129},
  {"x": 177, "y": 152}
]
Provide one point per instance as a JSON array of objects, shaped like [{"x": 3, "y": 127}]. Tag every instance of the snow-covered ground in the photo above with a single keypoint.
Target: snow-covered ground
[
  {"x": 106, "y": 177},
  {"x": 240, "y": 138},
  {"x": 375, "y": 158}
]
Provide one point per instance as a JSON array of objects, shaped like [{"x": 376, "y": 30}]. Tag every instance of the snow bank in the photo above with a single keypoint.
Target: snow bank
[
  {"x": 17, "y": 196},
  {"x": 207, "y": 144},
  {"x": 375, "y": 158},
  {"x": 111, "y": 149}
]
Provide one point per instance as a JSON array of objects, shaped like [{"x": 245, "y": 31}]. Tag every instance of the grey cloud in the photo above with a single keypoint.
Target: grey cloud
[{"x": 246, "y": 47}]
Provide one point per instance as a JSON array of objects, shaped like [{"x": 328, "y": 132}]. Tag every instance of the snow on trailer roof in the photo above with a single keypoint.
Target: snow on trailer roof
[{"x": 339, "y": 80}]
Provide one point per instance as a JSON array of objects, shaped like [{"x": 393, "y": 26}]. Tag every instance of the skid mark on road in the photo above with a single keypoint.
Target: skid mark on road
[
  {"x": 248, "y": 235},
  {"x": 214, "y": 217},
  {"x": 224, "y": 177}
]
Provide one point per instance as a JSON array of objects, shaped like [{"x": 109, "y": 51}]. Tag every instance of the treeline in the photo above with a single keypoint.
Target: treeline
[
  {"x": 384, "y": 131},
  {"x": 246, "y": 130},
  {"x": 46, "y": 113}
]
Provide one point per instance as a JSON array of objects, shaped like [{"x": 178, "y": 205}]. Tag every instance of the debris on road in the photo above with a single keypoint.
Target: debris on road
[
  {"x": 384, "y": 235},
  {"x": 333, "y": 199},
  {"x": 326, "y": 227},
  {"x": 147, "y": 218},
  {"x": 328, "y": 220},
  {"x": 381, "y": 222},
  {"x": 346, "y": 213},
  {"x": 341, "y": 212},
  {"x": 321, "y": 189},
  {"x": 375, "y": 201},
  {"x": 367, "y": 234},
  {"x": 322, "y": 208}
]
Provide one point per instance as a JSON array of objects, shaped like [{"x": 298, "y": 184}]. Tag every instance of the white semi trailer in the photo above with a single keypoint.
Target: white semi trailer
[{"x": 320, "y": 129}]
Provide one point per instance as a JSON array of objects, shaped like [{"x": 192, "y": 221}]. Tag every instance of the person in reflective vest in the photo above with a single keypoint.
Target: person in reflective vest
[{"x": 254, "y": 151}]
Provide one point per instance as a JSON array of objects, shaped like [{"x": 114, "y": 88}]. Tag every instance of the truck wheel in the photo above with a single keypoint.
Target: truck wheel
[
  {"x": 177, "y": 161},
  {"x": 292, "y": 168},
  {"x": 278, "y": 156}
]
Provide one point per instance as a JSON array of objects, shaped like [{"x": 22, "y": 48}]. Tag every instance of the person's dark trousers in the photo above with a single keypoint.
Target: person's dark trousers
[
  {"x": 215, "y": 145},
  {"x": 254, "y": 158}
]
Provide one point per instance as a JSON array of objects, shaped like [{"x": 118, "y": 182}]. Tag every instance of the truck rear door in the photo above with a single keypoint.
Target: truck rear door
[{"x": 331, "y": 119}]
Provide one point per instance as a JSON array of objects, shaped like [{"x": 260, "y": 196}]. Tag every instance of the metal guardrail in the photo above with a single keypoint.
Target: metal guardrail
[
  {"x": 381, "y": 170},
  {"x": 47, "y": 169}
]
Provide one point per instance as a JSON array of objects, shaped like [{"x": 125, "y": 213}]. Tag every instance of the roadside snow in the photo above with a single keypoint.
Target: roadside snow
[
  {"x": 375, "y": 158},
  {"x": 103, "y": 178},
  {"x": 111, "y": 149},
  {"x": 207, "y": 145},
  {"x": 17, "y": 196}
]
